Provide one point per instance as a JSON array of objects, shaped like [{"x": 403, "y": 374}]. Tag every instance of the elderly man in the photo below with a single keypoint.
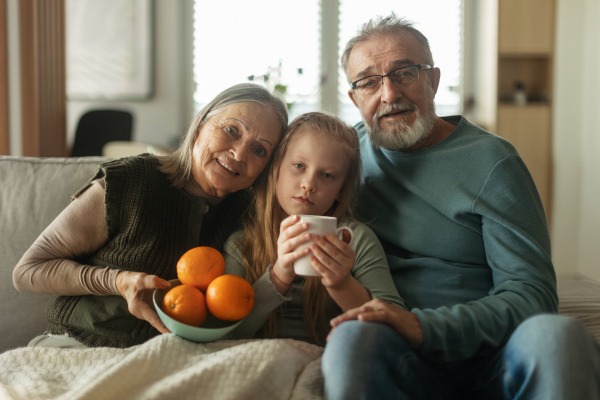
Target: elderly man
[{"x": 468, "y": 246}]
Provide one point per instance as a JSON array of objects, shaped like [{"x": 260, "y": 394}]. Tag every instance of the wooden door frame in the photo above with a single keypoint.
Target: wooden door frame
[
  {"x": 43, "y": 81},
  {"x": 4, "y": 99}
]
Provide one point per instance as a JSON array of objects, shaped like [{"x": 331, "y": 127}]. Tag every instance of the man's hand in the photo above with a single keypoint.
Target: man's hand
[
  {"x": 405, "y": 323},
  {"x": 137, "y": 288}
]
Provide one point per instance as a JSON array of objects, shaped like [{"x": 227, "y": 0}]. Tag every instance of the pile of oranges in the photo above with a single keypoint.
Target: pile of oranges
[{"x": 204, "y": 288}]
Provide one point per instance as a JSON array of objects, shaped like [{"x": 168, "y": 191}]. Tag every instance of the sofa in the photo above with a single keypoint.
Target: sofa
[{"x": 33, "y": 191}]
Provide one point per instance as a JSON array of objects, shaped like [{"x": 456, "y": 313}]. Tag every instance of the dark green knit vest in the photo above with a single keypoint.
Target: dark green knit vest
[{"x": 150, "y": 226}]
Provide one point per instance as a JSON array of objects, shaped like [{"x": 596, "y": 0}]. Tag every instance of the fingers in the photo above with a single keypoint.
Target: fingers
[
  {"x": 290, "y": 236},
  {"x": 152, "y": 317},
  {"x": 290, "y": 244},
  {"x": 333, "y": 246},
  {"x": 289, "y": 221},
  {"x": 154, "y": 282},
  {"x": 291, "y": 227},
  {"x": 347, "y": 316},
  {"x": 374, "y": 306},
  {"x": 333, "y": 254},
  {"x": 329, "y": 334}
]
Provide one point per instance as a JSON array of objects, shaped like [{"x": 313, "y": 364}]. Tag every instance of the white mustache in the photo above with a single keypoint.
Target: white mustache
[{"x": 395, "y": 107}]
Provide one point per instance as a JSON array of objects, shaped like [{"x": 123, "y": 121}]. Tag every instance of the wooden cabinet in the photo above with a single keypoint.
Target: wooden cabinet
[
  {"x": 525, "y": 57},
  {"x": 529, "y": 130},
  {"x": 525, "y": 26}
]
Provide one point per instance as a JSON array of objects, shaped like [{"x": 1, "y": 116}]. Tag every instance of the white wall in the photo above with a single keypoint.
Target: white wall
[
  {"x": 166, "y": 115},
  {"x": 576, "y": 211}
]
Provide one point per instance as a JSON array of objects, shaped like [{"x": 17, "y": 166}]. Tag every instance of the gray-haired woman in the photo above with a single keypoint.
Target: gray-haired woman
[{"x": 124, "y": 232}]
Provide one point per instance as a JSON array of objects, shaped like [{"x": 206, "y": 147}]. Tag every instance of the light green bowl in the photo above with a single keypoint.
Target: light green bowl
[{"x": 212, "y": 329}]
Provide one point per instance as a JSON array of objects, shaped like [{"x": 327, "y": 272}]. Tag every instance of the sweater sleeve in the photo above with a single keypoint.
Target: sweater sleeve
[
  {"x": 371, "y": 267},
  {"x": 517, "y": 247},
  {"x": 266, "y": 296},
  {"x": 50, "y": 265}
]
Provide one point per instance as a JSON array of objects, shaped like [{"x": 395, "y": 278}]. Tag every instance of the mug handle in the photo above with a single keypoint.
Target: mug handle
[{"x": 345, "y": 228}]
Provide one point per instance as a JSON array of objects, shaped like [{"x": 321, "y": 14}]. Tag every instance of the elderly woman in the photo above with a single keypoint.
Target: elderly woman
[{"x": 124, "y": 232}]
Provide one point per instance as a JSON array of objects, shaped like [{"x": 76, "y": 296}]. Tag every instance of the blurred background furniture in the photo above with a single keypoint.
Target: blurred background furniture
[{"x": 98, "y": 127}]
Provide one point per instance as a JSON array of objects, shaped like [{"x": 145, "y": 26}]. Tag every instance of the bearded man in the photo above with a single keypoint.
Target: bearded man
[{"x": 467, "y": 242}]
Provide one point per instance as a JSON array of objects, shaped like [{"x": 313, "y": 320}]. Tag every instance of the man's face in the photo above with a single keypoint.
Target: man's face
[{"x": 397, "y": 116}]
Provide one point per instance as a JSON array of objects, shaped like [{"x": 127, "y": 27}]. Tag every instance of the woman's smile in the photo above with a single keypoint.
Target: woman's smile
[{"x": 227, "y": 167}]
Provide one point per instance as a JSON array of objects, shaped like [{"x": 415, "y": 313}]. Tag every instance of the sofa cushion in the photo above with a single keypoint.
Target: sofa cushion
[
  {"x": 33, "y": 191},
  {"x": 580, "y": 298}
]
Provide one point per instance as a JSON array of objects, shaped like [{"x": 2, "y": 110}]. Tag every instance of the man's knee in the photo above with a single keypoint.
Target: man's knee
[
  {"x": 357, "y": 342},
  {"x": 549, "y": 332},
  {"x": 552, "y": 356},
  {"x": 360, "y": 337}
]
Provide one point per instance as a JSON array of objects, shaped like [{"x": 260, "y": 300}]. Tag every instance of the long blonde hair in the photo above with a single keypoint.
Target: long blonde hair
[{"x": 265, "y": 216}]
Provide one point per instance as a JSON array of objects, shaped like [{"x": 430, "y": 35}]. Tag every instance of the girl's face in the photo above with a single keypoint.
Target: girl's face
[{"x": 312, "y": 173}]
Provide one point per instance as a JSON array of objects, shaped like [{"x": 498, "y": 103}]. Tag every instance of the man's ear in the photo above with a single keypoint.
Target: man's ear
[
  {"x": 434, "y": 78},
  {"x": 351, "y": 95}
]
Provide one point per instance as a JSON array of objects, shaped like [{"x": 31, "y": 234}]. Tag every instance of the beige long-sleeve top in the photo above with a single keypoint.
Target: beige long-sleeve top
[{"x": 51, "y": 264}]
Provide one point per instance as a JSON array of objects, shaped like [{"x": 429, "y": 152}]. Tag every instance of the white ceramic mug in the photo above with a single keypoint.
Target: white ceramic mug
[{"x": 317, "y": 225}]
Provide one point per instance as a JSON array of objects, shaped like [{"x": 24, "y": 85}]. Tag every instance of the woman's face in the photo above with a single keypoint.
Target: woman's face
[{"x": 233, "y": 147}]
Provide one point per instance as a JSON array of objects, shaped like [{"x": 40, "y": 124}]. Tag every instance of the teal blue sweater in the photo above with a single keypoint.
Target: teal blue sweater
[{"x": 466, "y": 237}]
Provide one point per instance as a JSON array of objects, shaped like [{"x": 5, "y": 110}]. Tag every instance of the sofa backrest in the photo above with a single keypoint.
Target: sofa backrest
[{"x": 33, "y": 191}]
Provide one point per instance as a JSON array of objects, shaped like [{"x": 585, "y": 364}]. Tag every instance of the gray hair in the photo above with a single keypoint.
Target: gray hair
[
  {"x": 178, "y": 165},
  {"x": 381, "y": 26}
]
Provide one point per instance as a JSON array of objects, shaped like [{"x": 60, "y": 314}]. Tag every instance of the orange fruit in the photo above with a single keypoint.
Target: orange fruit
[
  {"x": 186, "y": 304},
  {"x": 199, "y": 266},
  {"x": 230, "y": 297}
]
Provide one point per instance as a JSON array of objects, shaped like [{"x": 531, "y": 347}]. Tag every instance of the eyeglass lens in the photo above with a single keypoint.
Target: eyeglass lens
[{"x": 400, "y": 76}]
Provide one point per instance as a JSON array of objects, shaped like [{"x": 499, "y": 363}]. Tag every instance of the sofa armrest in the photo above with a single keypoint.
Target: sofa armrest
[{"x": 33, "y": 191}]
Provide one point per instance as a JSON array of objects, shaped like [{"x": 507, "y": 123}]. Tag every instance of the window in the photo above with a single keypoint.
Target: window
[
  {"x": 277, "y": 42},
  {"x": 269, "y": 41}
]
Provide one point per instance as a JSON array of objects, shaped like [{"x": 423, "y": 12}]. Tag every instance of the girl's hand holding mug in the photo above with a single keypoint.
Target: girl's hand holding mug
[
  {"x": 291, "y": 235},
  {"x": 333, "y": 259}
]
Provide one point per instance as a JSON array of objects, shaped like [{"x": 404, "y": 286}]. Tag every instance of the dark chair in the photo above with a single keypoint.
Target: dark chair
[{"x": 98, "y": 127}]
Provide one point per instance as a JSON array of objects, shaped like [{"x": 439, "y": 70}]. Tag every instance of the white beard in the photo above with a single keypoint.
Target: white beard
[{"x": 400, "y": 135}]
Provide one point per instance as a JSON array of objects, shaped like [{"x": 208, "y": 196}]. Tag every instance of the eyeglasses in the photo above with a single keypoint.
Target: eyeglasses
[{"x": 401, "y": 76}]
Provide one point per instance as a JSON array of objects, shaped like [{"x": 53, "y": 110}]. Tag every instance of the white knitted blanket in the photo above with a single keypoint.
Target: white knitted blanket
[{"x": 166, "y": 367}]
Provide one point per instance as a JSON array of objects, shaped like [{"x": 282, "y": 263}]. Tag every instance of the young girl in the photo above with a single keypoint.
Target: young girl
[{"x": 315, "y": 171}]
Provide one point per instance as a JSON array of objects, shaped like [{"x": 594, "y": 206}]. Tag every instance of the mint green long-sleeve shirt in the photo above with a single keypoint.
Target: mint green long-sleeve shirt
[{"x": 465, "y": 235}]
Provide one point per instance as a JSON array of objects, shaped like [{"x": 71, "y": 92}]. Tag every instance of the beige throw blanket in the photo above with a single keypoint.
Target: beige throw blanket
[{"x": 166, "y": 367}]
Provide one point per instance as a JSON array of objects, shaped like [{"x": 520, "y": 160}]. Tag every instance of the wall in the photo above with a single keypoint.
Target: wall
[
  {"x": 576, "y": 215},
  {"x": 161, "y": 119},
  {"x": 164, "y": 117}
]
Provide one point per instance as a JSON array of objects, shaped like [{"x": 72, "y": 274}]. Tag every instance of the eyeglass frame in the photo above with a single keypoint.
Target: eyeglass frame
[{"x": 418, "y": 66}]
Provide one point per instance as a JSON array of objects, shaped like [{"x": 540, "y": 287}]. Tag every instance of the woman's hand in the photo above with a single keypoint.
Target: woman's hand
[
  {"x": 137, "y": 288},
  {"x": 291, "y": 235},
  {"x": 333, "y": 259},
  {"x": 404, "y": 322}
]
